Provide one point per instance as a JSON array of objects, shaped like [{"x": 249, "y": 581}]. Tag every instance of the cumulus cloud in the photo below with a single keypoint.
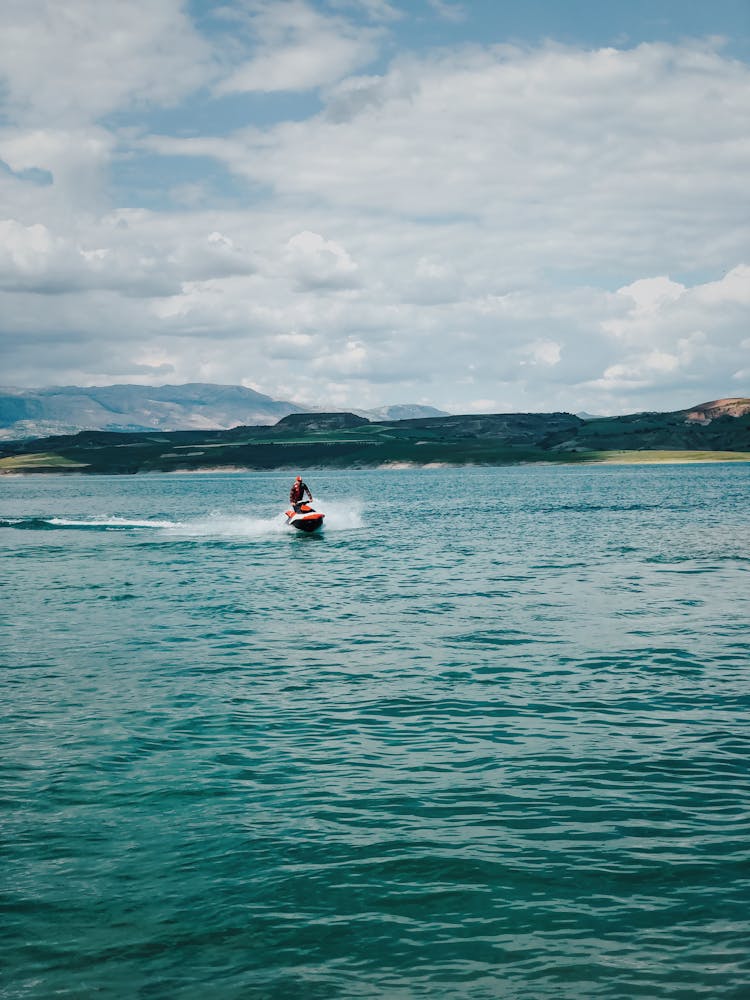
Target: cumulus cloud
[
  {"x": 65, "y": 67},
  {"x": 676, "y": 335},
  {"x": 480, "y": 227},
  {"x": 542, "y": 352},
  {"x": 34, "y": 258},
  {"x": 580, "y": 155},
  {"x": 69, "y": 63},
  {"x": 55, "y": 170},
  {"x": 315, "y": 262},
  {"x": 297, "y": 48},
  {"x": 350, "y": 359}
]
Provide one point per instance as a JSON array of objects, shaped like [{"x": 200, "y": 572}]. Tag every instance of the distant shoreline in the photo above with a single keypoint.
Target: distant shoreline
[
  {"x": 16, "y": 466},
  {"x": 347, "y": 441}
]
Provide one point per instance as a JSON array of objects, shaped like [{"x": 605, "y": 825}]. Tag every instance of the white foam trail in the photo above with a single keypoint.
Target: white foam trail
[
  {"x": 223, "y": 526},
  {"x": 341, "y": 516},
  {"x": 338, "y": 517},
  {"x": 111, "y": 522}
]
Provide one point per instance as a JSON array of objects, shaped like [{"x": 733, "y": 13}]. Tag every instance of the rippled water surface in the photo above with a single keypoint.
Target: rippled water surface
[{"x": 485, "y": 736}]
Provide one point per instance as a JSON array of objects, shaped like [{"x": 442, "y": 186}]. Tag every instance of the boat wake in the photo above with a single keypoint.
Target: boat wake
[
  {"x": 339, "y": 517},
  {"x": 211, "y": 526},
  {"x": 83, "y": 524}
]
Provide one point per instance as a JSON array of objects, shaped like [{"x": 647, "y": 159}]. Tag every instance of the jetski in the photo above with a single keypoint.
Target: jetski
[{"x": 304, "y": 517}]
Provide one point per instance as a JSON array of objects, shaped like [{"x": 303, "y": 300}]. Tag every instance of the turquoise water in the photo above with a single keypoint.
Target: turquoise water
[{"x": 486, "y": 736}]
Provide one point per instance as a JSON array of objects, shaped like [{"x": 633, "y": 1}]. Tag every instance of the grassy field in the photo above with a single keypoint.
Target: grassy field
[
  {"x": 665, "y": 457},
  {"x": 39, "y": 462}
]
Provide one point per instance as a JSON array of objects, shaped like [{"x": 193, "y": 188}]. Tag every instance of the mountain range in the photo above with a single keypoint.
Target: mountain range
[
  {"x": 719, "y": 429},
  {"x": 34, "y": 413}
]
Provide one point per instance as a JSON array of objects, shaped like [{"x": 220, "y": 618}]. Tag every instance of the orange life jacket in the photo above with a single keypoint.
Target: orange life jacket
[{"x": 297, "y": 492}]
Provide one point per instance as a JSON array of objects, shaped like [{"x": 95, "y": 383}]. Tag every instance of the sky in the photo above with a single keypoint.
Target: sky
[{"x": 483, "y": 206}]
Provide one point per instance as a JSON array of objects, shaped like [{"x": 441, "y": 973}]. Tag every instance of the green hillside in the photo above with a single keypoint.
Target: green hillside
[{"x": 344, "y": 440}]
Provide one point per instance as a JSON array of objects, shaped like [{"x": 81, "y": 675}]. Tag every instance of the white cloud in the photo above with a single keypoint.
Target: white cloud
[
  {"x": 640, "y": 306},
  {"x": 481, "y": 227},
  {"x": 290, "y": 345},
  {"x": 35, "y": 258},
  {"x": 350, "y": 360},
  {"x": 579, "y": 158},
  {"x": 542, "y": 352},
  {"x": 638, "y": 373},
  {"x": 676, "y": 335},
  {"x": 319, "y": 263},
  {"x": 64, "y": 67},
  {"x": 375, "y": 10},
  {"x": 69, "y": 63},
  {"x": 447, "y": 10},
  {"x": 652, "y": 310},
  {"x": 299, "y": 49},
  {"x": 733, "y": 288},
  {"x": 75, "y": 161},
  {"x": 650, "y": 294}
]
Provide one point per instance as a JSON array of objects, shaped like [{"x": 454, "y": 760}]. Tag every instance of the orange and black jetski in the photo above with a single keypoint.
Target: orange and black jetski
[{"x": 304, "y": 517}]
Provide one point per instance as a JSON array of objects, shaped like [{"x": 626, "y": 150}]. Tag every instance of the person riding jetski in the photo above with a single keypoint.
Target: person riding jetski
[{"x": 297, "y": 493}]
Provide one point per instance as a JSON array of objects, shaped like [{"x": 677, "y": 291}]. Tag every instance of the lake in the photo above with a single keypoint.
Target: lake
[{"x": 485, "y": 736}]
